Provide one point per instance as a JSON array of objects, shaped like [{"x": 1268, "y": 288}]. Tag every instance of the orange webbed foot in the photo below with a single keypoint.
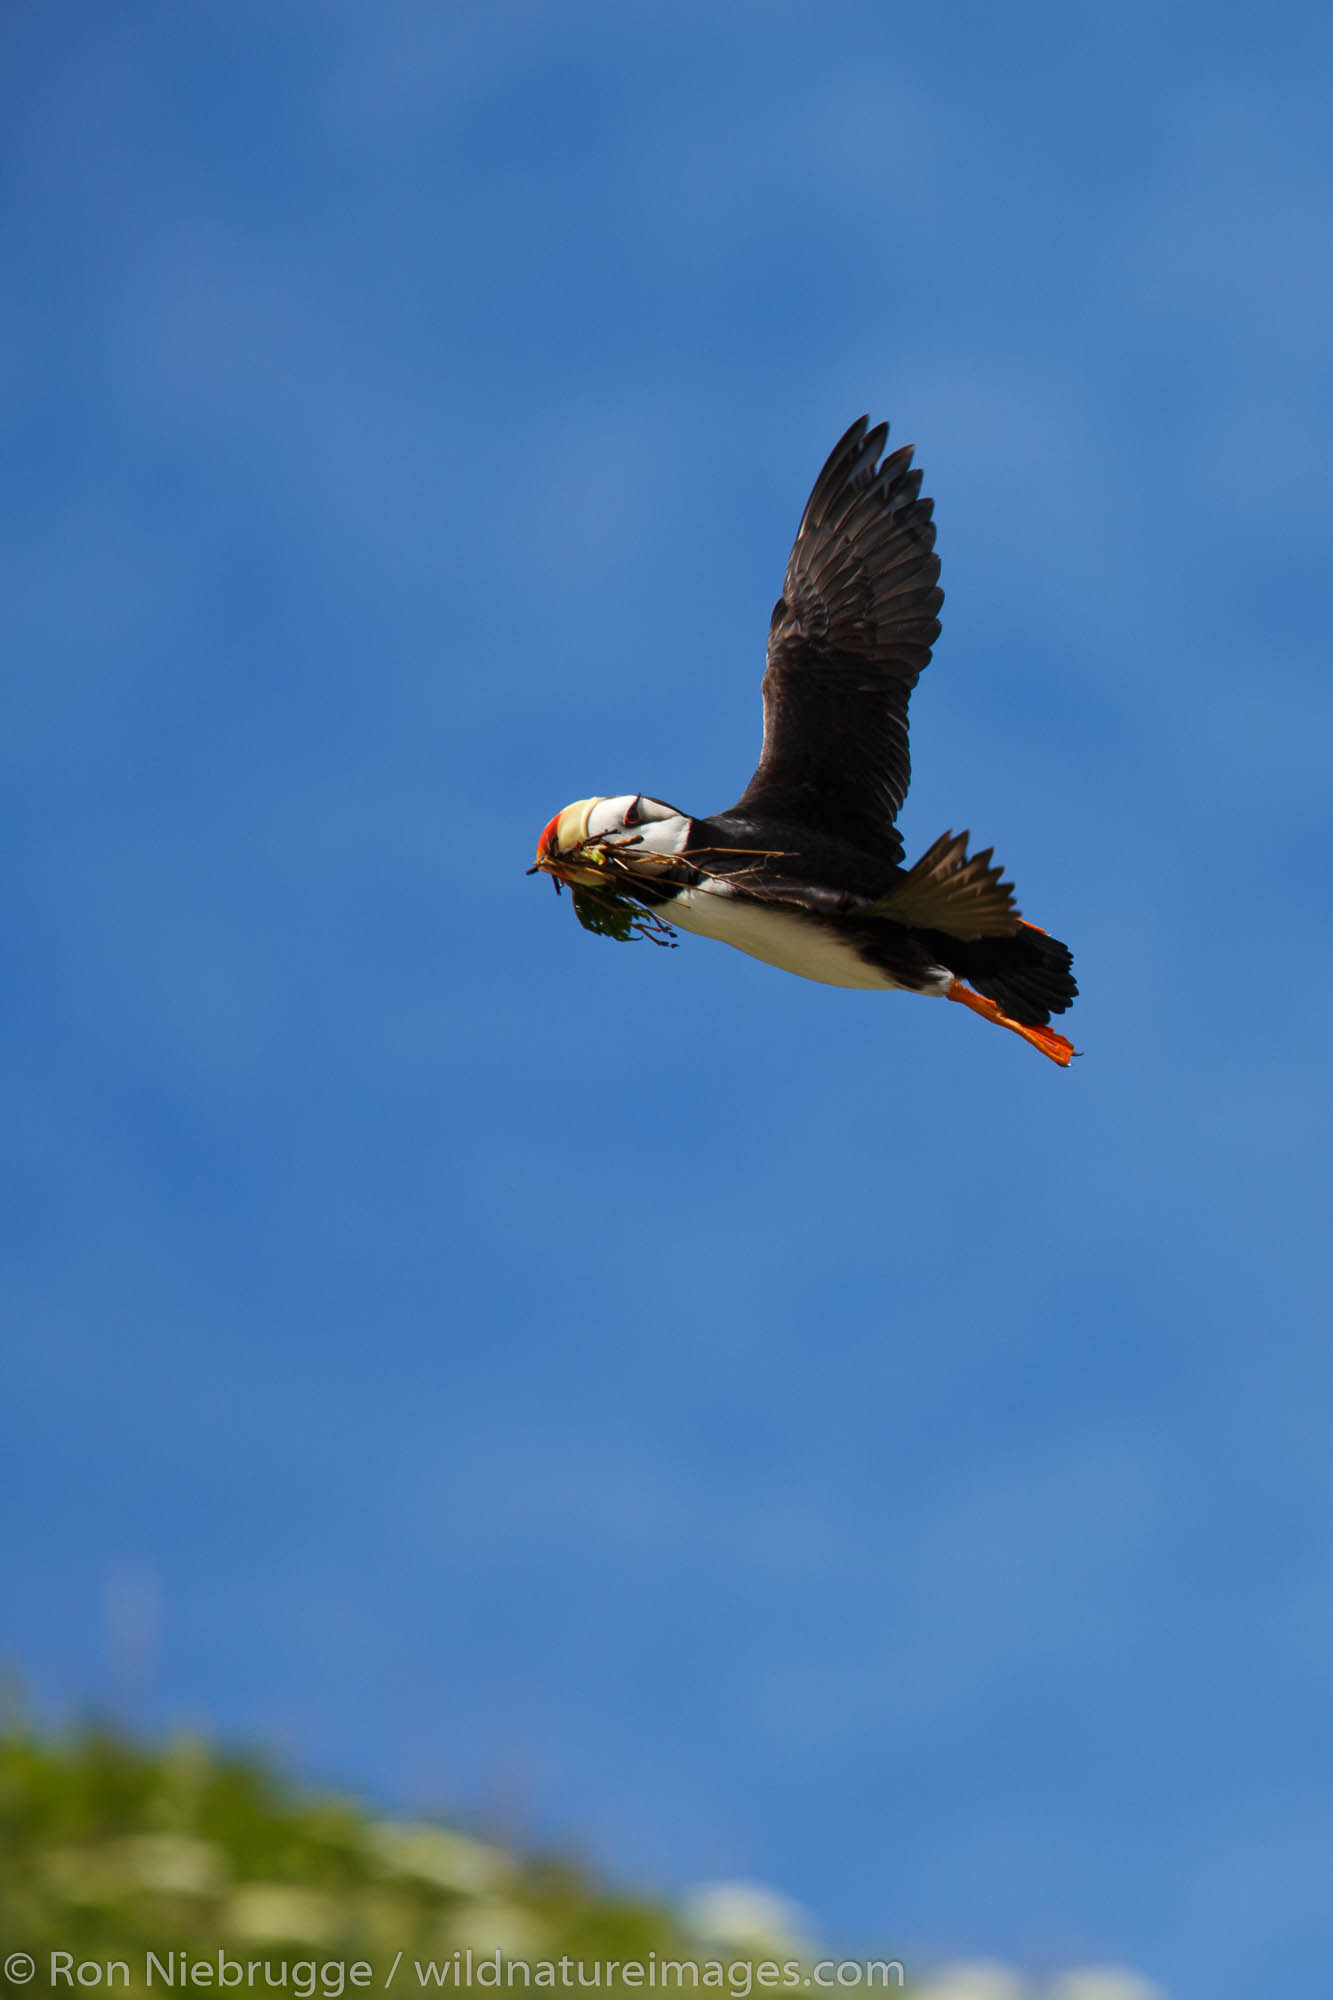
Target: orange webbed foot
[{"x": 1058, "y": 1047}]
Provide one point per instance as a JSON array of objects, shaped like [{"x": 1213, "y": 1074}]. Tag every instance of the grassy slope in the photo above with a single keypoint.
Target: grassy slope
[{"x": 108, "y": 1847}]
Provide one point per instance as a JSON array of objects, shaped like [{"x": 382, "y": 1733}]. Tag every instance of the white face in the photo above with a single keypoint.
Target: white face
[{"x": 642, "y": 823}]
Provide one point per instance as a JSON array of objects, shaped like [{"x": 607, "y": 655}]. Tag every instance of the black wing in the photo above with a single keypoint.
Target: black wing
[{"x": 850, "y": 634}]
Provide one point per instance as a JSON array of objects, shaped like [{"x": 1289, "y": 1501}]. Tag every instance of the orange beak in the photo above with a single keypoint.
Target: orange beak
[{"x": 547, "y": 848}]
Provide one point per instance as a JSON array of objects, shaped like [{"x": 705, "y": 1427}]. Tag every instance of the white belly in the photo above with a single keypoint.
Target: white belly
[{"x": 794, "y": 944}]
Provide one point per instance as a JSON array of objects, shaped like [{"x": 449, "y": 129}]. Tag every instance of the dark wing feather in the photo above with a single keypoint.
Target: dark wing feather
[{"x": 850, "y": 634}]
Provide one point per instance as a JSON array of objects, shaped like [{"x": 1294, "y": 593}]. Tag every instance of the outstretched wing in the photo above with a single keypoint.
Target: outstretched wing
[{"x": 850, "y": 634}]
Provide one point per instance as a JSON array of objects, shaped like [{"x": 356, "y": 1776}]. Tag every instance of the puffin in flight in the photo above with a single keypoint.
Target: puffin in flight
[{"x": 806, "y": 870}]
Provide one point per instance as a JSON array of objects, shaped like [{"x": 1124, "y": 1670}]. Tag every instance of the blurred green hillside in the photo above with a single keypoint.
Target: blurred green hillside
[
  {"x": 108, "y": 1848},
  {"x": 111, "y": 1850}
]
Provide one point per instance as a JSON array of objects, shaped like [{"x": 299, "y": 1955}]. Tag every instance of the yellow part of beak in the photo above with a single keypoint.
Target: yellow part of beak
[{"x": 571, "y": 826}]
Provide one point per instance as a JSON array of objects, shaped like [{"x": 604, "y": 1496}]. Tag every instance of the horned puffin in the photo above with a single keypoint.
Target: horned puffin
[{"x": 806, "y": 870}]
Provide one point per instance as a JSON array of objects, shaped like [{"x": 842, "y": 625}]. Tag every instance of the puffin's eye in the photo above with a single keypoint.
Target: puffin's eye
[{"x": 634, "y": 816}]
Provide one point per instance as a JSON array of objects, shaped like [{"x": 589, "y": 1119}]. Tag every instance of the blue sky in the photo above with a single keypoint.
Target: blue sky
[{"x": 733, "y": 1426}]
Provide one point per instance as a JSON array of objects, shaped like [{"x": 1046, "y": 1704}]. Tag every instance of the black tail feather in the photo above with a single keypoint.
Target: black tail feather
[{"x": 1029, "y": 975}]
